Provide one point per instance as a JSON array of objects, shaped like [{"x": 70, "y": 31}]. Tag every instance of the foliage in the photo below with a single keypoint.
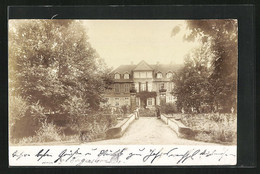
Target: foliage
[
  {"x": 219, "y": 128},
  {"x": 144, "y": 95},
  {"x": 125, "y": 109},
  {"x": 93, "y": 126},
  {"x": 213, "y": 89},
  {"x": 169, "y": 108},
  {"x": 51, "y": 62},
  {"x": 191, "y": 82},
  {"x": 17, "y": 108},
  {"x": 223, "y": 35},
  {"x": 53, "y": 69},
  {"x": 48, "y": 132},
  {"x": 28, "y": 124},
  {"x": 82, "y": 128},
  {"x": 146, "y": 112}
]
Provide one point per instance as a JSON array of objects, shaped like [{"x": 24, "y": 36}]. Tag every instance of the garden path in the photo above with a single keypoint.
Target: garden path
[{"x": 149, "y": 131}]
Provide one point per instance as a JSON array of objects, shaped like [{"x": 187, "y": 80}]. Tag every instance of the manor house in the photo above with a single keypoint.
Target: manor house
[{"x": 144, "y": 77}]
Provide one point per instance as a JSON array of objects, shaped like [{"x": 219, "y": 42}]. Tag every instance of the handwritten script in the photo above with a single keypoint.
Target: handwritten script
[{"x": 120, "y": 155}]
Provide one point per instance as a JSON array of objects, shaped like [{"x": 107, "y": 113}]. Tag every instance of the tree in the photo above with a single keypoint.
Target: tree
[
  {"x": 52, "y": 63},
  {"x": 222, "y": 37},
  {"x": 191, "y": 82}
]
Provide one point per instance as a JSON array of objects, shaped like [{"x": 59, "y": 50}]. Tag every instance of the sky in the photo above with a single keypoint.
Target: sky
[{"x": 120, "y": 42}]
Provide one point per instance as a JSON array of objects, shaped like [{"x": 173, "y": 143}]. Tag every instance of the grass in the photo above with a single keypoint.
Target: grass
[{"x": 212, "y": 127}]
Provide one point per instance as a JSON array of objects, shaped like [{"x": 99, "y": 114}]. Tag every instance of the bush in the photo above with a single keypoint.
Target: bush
[
  {"x": 145, "y": 112},
  {"x": 48, "y": 132},
  {"x": 125, "y": 109},
  {"x": 217, "y": 128},
  {"x": 36, "y": 127},
  {"x": 17, "y": 109},
  {"x": 93, "y": 126},
  {"x": 169, "y": 108},
  {"x": 29, "y": 123}
]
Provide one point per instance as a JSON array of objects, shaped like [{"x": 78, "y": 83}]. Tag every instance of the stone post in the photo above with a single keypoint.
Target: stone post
[
  {"x": 132, "y": 98},
  {"x": 162, "y": 92}
]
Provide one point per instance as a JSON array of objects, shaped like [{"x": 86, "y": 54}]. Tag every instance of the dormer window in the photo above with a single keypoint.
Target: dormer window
[
  {"x": 117, "y": 76},
  {"x": 126, "y": 76},
  {"x": 159, "y": 75},
  {"x": 169, "y": 75}
]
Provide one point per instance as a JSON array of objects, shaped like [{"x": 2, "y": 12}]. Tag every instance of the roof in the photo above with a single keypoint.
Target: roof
[
  {"x": 143, "y": 66},
  {"x": 163, "y": 68},
  {"x": 124, "y": 68}
]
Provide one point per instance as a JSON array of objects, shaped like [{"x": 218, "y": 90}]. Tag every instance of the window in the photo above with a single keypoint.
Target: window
[
  {"x": 150, "y": 87},
  {"x": 142, "y": 74},
  {"x": 170, "y": 86},
  {"x": 117, "y": 88},
  {"x": 117, "y": 76},
  {"x": 126, "y": 76},
  {"x": 116, "y": 101},
  {"x": 106, "y": 100},
  {"x": 143, "y": 87},
  {"x": 162, "y": 86},
  {"x": 137, "y": 87},
  {"x": 122, "y": 88},
  {"x": 159, "y": 75},
  {"x": 149, "y": 75},
  {"x": 127, "y": 88},
  {"x": 137, "y": 101},
  {"x": 136, "y": 74},
  {"x": 127, "y": 101},
  {"x": 169, "y": 75},
  {"x": 149, "y": 101},
  {"x": 170, "y": 99}
]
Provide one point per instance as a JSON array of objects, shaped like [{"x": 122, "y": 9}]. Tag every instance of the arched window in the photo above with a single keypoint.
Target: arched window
[
  {"x": 117, "y": 76},
  {"x": 159, "y": 75},
  {"x": 126, "y": 76},
  {"x": 169, "y": 75}
]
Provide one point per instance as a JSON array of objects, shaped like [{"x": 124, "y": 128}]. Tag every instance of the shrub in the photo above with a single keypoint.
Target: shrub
[
  {"x": 145, "y": 112},
  {"x": 169, "y": 108},
  {"x": 29, "y": 123},
  {"x": 17, "y": 109},
  {"x": 26, "y": 140},
  {"x": 203, "y": 136},
  {"x": 125, "y": 109},
  {"x": 35, "y": 127},
  {"x": 213, "y": 127},
  {"x": 92, "y": 126},
  {"x": 48, "y": 132}
]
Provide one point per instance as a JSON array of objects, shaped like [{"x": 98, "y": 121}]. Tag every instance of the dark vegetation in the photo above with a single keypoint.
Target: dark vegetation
[
  {"x": 211, "y": 127},
  {"x": 56, "y": 80},
  {"x": 208, "y": 80}
]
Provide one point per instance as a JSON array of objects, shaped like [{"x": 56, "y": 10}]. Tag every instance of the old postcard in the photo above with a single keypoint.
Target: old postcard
[{"x": 122, "y": 92}]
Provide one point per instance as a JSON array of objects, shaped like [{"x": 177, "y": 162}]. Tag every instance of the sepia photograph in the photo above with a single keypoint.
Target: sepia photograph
[{"x": 122, "y": 82}]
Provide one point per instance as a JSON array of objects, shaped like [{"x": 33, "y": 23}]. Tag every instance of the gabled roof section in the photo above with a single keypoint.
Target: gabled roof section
[
  {"x": 124, "y": 68},
  {"x": 165, "y": 68},
  {"x": 143, "y": 66}
]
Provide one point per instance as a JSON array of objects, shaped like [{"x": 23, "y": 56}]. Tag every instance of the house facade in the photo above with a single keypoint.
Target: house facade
[{"x": 145, "y": 78}]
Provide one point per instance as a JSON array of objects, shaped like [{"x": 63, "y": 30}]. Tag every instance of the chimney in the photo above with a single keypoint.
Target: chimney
[
  {"x": 132, "y": 62},
  {"x": 157, "y": 63}
]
